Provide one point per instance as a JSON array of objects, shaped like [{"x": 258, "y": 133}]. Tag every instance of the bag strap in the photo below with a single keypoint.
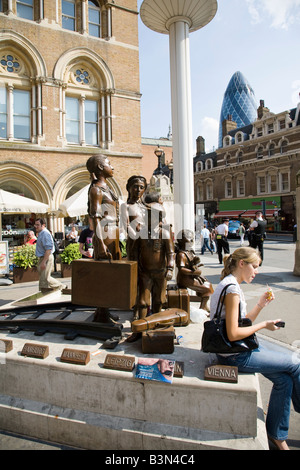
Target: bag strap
[{"x": 217, "y": 315}]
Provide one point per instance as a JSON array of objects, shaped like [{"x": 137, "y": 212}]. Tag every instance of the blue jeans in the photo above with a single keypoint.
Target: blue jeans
[
  {"x": 205, "y": 245},
  {"x": 282, "y": 367}
]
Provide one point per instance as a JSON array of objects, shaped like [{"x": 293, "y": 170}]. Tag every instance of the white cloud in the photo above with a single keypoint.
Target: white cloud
[
  {"x": 281, "y": 13},
  {"x": 209, "y": 129}
]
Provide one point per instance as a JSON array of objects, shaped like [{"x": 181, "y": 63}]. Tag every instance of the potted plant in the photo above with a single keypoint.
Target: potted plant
[
  {"x": 70, "y": 253},
  {"x": 25, "y": 264}
]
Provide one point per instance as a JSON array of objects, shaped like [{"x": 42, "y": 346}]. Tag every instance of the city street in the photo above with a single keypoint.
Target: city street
[{"x": 276, "y": 271}]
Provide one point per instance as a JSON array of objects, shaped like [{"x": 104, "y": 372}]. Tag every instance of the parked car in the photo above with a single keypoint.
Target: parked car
[{"x": 233, "y": 228}]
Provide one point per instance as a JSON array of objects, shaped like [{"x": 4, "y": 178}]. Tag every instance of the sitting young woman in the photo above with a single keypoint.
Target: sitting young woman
[{"x": 276, "y": 363}]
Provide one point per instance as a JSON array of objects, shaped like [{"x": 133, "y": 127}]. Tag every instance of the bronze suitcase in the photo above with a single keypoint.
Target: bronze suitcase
[
  {"x": 159, "y": 341},
  {"x": 179, "y": 299},
  {"x": 104, "y": 284}
]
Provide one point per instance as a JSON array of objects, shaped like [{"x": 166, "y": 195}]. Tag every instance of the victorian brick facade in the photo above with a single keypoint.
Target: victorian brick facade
[
  {"x": 256, "y": 168},
  {"x": 69, "y": 88}
]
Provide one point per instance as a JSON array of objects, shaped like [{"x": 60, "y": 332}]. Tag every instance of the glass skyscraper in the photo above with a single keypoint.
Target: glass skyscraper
[{"x": 239, "y": 102}]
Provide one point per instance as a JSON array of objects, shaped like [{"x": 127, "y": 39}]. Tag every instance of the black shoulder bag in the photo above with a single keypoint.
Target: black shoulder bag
[{"x": 215, "y": 339}]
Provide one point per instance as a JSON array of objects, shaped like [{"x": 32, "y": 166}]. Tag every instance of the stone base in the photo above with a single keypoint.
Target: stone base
[{"x": 95, "y": 408}]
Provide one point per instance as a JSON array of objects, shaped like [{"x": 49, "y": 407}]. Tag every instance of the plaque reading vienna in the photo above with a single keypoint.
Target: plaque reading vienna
[
  {"x": 75, "y": 356},
  {"x": 39, "y": 351},
  {"x": 220, "y": 373},
  {"x": 114, "y": 361}
]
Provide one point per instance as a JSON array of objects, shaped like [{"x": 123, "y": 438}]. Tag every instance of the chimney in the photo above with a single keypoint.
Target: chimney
[
  {"x": 228, "y": 125},
  {"x": 262, "y": 109},
  {"x": 200, "y": 142}
]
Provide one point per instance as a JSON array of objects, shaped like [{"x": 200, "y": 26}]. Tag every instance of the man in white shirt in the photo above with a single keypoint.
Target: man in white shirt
[
  {"x": 205, "y": 235},
  {"x": 221, "y": 239},
  {"x": 44, "y": 251}
]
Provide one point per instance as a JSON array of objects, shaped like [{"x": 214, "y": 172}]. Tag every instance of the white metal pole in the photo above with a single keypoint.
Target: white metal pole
[{"x": 182, "y": 125}]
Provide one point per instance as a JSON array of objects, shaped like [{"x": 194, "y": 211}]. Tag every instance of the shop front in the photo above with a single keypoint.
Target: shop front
[
  {"x": 245, "y": 209},
  {"x": 15, "y": 227}
]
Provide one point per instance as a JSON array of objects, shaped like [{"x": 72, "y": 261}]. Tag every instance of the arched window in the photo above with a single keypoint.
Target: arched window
[
  {"x": 94, "y": 19},
  {"x": 227, "y": 141},
  {"x": 283, "y": 146},
  {"x": 199, "y": 166},
  {"x": 17, "y": 113},
  {"x": 260, "y": 152},
  {"x": 208, "y": 164},
  {"x": 227, "y": 159},
  {"x": 271, "y": 150},
  {"x": 82, "y": 110}
]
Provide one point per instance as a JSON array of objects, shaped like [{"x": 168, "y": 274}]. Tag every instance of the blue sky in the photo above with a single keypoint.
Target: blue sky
[{"x": 260, "y": 38}]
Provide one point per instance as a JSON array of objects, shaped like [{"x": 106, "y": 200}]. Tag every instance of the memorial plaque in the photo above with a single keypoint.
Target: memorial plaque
[
  {"x": 179, "y": 369},
  {"x": 114, "y": 361},
  {"x": 6, "y": 345},
  {"x": 75, "y": 356},
  {"x": 221, "y": 373},
  {"x": 38, "y": 351}
]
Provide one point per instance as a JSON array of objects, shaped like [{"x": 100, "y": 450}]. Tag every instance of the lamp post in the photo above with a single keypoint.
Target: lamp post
[
  {"x": 159, "y": 153},
  {"x": 177, "y": 19}
]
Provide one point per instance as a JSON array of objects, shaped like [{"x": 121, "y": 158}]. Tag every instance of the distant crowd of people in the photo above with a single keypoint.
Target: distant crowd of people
[{"x": 215, "y": 239}]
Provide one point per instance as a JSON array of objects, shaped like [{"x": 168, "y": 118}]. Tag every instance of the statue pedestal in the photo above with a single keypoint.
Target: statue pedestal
[{"x": 91, "y": 407}]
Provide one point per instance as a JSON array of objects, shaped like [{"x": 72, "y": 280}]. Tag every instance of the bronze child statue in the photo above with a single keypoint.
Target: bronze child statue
[
  {"x": 103, "y": 209},
  {"x": 189, "y": 273}
]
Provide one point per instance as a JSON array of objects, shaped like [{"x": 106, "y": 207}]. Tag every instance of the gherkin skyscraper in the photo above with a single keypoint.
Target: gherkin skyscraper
[{"x": 239, "y": 102}]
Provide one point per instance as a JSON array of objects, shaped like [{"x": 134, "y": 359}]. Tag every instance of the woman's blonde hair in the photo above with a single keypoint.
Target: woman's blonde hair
[{"x": 247, "y": 254}]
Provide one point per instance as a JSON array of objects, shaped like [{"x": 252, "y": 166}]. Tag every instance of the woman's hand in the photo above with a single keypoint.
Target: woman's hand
[
  {"x": 266, "y": 298},
  {"x": 270, "y": 325}
]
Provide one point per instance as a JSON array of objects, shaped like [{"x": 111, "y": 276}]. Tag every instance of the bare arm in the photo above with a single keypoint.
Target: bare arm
[{"x": 234, "y": 331}]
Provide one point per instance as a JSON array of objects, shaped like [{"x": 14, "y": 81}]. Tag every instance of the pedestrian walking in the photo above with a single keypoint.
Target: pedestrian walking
[
  {"x": 221, "y": 238},
  {"x": 205, "y": 235},
  {"x": 257, "y": 230},
  {"x": 241, "y": 232},
  {"x": 44, "y": 251}
]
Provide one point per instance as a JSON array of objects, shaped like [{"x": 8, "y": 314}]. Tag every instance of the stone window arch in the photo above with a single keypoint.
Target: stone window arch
[
  {"x": 85, "y": 97},
  {"x": 21, "y": 72},
  {"x": 260, "y": 152},
  {"x": 199, "y": 166},
  {"x": 271, "y": 149},
  {"x": 208, "y": 164},
  {"x": 283, "y": 146}
]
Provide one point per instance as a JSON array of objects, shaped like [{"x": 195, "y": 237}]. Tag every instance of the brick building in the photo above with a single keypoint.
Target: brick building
[
  {"x": 69, "y": 88},
  {"x": 255, "y": 168}
]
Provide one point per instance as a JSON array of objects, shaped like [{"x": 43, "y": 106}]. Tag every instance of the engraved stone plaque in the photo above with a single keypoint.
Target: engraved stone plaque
[
  {"x": 75, "y": 356},
  {"x": 221, "y": 373},
  {"x": 179, "y": 369},
  {"x": 115, "y": 361},
  {"x": 6, "y": 345},
  {"x": 39, "y": 351}
]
